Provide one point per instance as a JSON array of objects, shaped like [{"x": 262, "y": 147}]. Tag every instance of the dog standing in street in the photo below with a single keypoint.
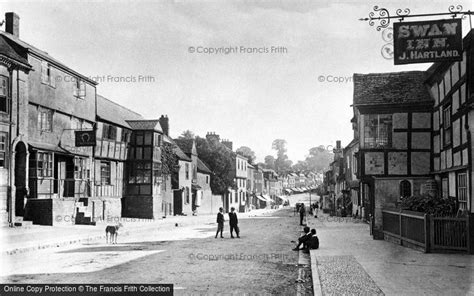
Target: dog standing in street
[{"x": 112, "y": 230}]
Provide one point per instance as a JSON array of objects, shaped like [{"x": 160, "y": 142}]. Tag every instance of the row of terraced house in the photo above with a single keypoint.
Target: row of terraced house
[
  {"x": 47, "y": 178},
  {"x": 412, "y": 136}
]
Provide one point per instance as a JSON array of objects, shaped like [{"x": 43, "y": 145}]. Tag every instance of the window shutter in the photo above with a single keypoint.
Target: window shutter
[
  {"x": 97, "y": 172},
  {"x": 76, "y": 88},
  {"x": 52, "y": 78},
  {"x": 113, "y": 174},
  {"x": 44, "y": 72}
]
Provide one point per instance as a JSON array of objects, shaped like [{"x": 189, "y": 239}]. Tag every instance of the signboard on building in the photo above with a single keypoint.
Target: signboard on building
[
  {"x": 85, "y": 138},
  {"x": 427, "y": 41}
]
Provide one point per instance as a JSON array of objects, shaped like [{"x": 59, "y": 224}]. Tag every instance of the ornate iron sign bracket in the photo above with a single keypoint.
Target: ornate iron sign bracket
[{"x": 383, "y": 16}]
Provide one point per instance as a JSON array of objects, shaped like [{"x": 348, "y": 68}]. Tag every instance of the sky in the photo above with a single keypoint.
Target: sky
[{"x": 250, "y": 71}]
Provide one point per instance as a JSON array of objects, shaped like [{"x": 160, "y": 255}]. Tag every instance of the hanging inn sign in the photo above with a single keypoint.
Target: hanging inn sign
[
  {"x": 85, "y": 138},
  {"x": 423, "y": 41},
  {"x": 427, "y": 41}
]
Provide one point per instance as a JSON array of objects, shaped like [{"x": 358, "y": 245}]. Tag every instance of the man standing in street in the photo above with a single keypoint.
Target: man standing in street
[
  {"x": 233, "y": 221},
  {"x": 302, "y": 213},
  {"x": 220, "y": 222}
]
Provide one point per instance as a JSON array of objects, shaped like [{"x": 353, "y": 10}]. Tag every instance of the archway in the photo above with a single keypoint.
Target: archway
[{"x": 20, "y": 179}]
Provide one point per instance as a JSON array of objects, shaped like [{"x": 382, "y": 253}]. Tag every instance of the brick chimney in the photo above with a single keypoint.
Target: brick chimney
[
  {"x": 227, "y": 143},
  {"x": 211, "y": 136},
  {"x": 165, "y": 125},
  {"x": 12, "y": 24}
]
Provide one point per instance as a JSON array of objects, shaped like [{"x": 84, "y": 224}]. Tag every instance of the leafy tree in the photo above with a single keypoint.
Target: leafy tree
[
  {"x": 269, "y": 162},
  {"x": 247, "y": 152},
  {"x": 300, "y": 166},
  {"x": 282, "y": 163},
  {"x": 220, "y": 160},
  {"x": 318, "y": 160},
  {"x": 187, "y": 134}
]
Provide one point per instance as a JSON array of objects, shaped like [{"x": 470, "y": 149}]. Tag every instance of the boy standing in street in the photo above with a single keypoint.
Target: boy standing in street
[
  {"x": 220, "y": 222},
  {"x": 233, "y": 223},
  {"x": 302, "y": 213}
]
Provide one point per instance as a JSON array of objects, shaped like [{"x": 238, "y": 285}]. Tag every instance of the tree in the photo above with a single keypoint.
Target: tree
[
  {"x": 300, "y": 166},
  {"x": 247, "y": 152},
  {"x": 318, "y": 159},
  {"x": 282, "y": 163},
  {"x": 220, "y": 161},
  {"x": 269, "y": 162},
  {"x": 187, "y": 134}
]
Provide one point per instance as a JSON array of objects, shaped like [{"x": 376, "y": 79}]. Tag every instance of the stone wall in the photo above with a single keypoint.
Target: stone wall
[{"x": 50, "y": 211}]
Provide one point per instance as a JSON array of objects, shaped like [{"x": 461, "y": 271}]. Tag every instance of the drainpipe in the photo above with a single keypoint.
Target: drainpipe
[{"x": 10, "y": 153}]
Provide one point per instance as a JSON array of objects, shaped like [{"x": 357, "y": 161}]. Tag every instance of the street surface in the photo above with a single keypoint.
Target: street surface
[
  {"x": 348, "y": 261},
  {"x": 189, "y": 257}
]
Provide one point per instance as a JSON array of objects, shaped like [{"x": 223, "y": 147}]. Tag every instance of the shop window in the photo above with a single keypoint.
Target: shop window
[
  {"x": 462, "y": 191},
  {"x": 378, "y": 131},
  {"x": 3, "y": 94},
  {"x": 105, "y": 173},
  {"x": 45, "y": 120},
  {"x": 3, "y": 150},
  {"x": 405, "y": 189},
  {"x": 81, "y": 170},
  {"x": 44, "y": 164}
]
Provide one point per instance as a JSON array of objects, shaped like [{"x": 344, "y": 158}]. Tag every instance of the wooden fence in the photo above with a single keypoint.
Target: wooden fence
[{"x": 430, "y": 233}]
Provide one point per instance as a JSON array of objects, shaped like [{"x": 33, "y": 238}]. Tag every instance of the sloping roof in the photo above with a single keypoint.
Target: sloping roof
[
  {"x": 153, "y": 124},
  {"x": 202, "y": 167},
  {"x": 185, "y": 144},
  {"x": 12, "y": 52},
  {"x": 115, "y": 113},
  {"x": 180, "y": 154},
  {"x": 176, "y": 149},
  {"x": 390, "y": 88},
  {"x": 44, "y": 55}
]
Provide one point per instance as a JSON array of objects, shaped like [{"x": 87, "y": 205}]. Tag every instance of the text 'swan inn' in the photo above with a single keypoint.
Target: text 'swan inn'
[{"x": 428, "y": 41}]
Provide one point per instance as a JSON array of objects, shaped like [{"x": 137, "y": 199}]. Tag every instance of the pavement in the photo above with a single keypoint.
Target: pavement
[
  {"x": 350, "y": 262},
  {"x": 15, "y": 240}
]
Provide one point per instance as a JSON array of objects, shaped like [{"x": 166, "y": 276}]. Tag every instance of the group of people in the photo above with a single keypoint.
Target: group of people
[
  {"x": 233, "y": 221},
  {"x": 313, "y": 209},
  {"x": 308, "y": 239}
]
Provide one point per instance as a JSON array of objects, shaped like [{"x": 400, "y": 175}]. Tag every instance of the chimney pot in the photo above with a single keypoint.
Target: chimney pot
[
  {"x": 12, "y": 24},
  {"x": 165, "y": 126}
]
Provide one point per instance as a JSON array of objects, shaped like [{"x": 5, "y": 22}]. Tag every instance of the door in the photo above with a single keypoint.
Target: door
[
  {"x": 20, "y": 179},
  {"x": 193, "y": 200},
  {"x": 177, "y": 202}
]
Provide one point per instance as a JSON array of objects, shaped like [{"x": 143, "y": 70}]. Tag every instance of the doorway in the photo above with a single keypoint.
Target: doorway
[{"x": 21, "y": 192}]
